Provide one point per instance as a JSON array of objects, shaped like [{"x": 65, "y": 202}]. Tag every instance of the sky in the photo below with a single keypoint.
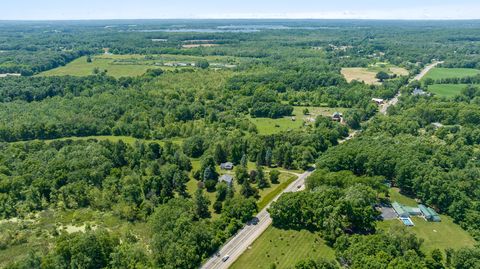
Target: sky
[{"x": 221, "y": 9}]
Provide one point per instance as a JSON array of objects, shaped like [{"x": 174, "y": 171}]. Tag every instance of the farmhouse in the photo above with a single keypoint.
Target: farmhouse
[
  {"x": 227, "y": 179},
  {"x": 378, "y": 101},
  {"x": 226, "y": 166},
  {"x": 419, "y": 92}
]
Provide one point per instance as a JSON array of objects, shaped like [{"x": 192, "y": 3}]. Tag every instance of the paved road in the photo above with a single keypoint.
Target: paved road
[
  {"x": 394, "y": 100},
  {"x": 426, "y": 70},
  {"x": 245, "y": 237}
]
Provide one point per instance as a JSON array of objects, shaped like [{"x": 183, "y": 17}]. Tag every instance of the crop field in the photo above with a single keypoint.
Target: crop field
[
  {"x": 134, "y": 64},
  {"x": 442, "y": 73},
  {"x": 446, "y": 90},
  {"x": 367, "y": 75},
  {"x": 441, "y": 235},
  {"x": 283, "y": 248}
]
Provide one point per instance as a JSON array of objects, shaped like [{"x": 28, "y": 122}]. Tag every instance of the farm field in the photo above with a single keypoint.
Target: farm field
[
  {"x": 284, "y": 248},
  {"x": 446, "y": 90},
  {"x": 442, "y": 73},
  {"x": 134, "y": 64},
  {"x": 368, "y": 74},
  {"x": 441, "y": 235}
]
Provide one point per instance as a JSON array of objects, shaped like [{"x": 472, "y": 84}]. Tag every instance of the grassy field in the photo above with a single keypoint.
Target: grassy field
[
  {"x": 267, "y": 126},
  {"x": 446, "y": 90},
  {"x": 116, "y": 66},
  {"x": 368, "y": 74},
  {"x": 284, "y": 248},
  {"x": 126, "y": 139},
  {"x": 441, "y": 235},
  {"x": 440, "y": 73},
  {"x": 133, "y": 64}
]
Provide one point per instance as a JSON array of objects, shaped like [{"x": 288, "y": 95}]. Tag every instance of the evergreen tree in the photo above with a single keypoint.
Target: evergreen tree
[
  {"x": 244, "y": 161},
  {"x": 201, "y": 204},
  {"x": 247, "y": 190},
  {"x": 268, "y": 157},
  {"x": 220, "y": 155},
  {"x": 261, "y": 180},
  {"x": 274, "y": 176}
]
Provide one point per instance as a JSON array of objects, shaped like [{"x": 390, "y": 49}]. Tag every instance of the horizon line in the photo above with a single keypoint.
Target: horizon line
[{"x": 241, "y": 18}]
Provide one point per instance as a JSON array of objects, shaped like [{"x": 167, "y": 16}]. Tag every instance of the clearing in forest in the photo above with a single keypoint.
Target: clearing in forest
[
  {"x": 130, "y": 65},
  {"x": 441, "y": 235},
  {"x": 268, "y": 126},
  {"x": 367, "y": 75}
]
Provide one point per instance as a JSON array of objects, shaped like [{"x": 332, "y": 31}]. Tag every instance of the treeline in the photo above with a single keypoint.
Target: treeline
[
  {"x": 38, "y": 88},
  {"x": 462, "y": 80},
  {"x": 28, "y": 63},
  {"x": 127, "y": 180}
]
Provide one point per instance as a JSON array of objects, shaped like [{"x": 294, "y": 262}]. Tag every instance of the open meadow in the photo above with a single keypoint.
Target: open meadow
[
  {"x": 284, "y": 248},
  {"x": 268, "y": 126},
  {"x": 368, "y": 74},
  {"x": 131, "y": 65},
  {"x": 443, "y": 73},
  {"x": 446, "y": 90}
]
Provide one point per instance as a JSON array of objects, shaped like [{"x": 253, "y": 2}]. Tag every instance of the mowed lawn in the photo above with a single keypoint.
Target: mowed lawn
[
  {"x": 441, "y": 73},
  {"x": 441, "y": 235},
  {"x": 446, "y": 90},
  {"x": 284, "y": 248}
]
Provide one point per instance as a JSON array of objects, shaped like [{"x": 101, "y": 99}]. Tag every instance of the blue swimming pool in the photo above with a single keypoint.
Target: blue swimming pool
[{"x": 407, "y": 221}]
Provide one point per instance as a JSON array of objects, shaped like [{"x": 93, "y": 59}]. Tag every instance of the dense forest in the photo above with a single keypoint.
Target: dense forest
[{"x": 134, "y": 161}]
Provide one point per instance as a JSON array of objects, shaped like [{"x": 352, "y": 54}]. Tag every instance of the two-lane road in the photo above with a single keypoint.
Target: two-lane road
[
  {"x": 394, "y": 100},
  {"x": 246, "y": 236}
]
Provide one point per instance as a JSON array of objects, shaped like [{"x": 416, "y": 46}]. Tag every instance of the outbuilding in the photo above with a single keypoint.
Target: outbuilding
[
  {"x": 378, "y": 101},
  {"x": 401, "y": 212},
  {"x": 429, "y": 214},
  {"x": 227, "y": 179},
  {"x": 226, "y": 166}
]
